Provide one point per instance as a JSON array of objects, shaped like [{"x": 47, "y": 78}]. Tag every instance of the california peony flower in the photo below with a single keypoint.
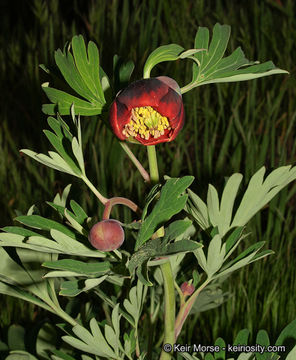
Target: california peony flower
[
  {"x": 149, "y": 110},
  {"x": 106, "y": 235}
]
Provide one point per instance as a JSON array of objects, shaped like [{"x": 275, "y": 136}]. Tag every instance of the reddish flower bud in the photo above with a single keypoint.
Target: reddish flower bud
[
  {"x": 149, "y": 110},
  {"x": 106, "y": 235},
  {"x": 187, "y": 289}
]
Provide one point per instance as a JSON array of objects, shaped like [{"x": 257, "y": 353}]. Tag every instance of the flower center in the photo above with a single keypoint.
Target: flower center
[{"x": 146, "y": 122}]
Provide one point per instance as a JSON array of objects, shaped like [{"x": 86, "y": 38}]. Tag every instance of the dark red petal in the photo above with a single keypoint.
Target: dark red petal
[
  {"x": 146, "y": 92},
  {"x": 119, "y": 116},
  {"x": 170, "y": 105},
  {"x": 179, "y": 121},
  {"x": 170, "y": 83}
]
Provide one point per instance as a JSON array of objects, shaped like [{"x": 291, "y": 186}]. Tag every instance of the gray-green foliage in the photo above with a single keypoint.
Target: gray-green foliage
[
  {"x": 222, "y": 216},
  {"x": 83, "y": 73},
  {"x": 259, "y": 192}
]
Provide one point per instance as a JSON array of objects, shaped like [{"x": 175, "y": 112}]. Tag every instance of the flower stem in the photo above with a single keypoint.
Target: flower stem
[
  {"x": 166, "y": 270},
  {"x": 94, "y": 190},
  {"x": 119, "y": 201},
  {"x": 186, "y": 307},
  {"x": 170, "y": 308},
  {"x": 154, "y": 176},
  {"x": 135, "y": 161}
]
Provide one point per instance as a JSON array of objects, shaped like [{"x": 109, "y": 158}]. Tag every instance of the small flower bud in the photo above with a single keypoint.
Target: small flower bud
[
  {"x": 187, "y": 289},
  {"x": 106, "y": 235}
]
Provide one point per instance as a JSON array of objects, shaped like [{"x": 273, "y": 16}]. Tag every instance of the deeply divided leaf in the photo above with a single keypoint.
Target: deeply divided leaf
[
  {"x": 210, "y": 66},
  {"x": 171, "y": 202},
  {"x": 82, "y": 72}
]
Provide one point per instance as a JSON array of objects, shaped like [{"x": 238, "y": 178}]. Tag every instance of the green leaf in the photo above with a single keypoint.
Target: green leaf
[
  {"x": 152, "y": 248},
  {"x": 233, "y": 238},
  {"x": 80, "y": 214},
  {"x": 213, "y": 204},
  {"x": 21, "y": 269},
  {"x": 198, "y": 209},
  {"x": 61, "y": 199},
  {"x": 246, "y": 257},
  {"x": 46, "y": 340},
  {"x": 88, "y": 65},
  {"x": 182, "y": 246},
  {"x": 19, "y": 231},
  {"x": 93, "y": 343},
  {"x": 20, "y": 293},
  {"x": 56, "y": 126},
  {"x": 171, "y": 202},
  {"x": 122, "y": 72},
  {"x": 209, "y": 356},
  {"x": 260, "y": 192},
  {"x": 216, "y": 253},
  {"x": 76, "y": 287},
  {"x": 153, "y": 193},
  {"x": 156, "y": 248},
  {"x": 92, "y": 269},
  {"x": 77, "y": 151},
  {"x": 210, "y": 298},
  {"x": 3, "y": 346},
  {"x": 142, "y": 273},
  {"x": 221, "y": 214},
  {"x": 133, "y": 304},
  {"x": 255, "y": 247},
  {"x": 75, "y": 225},
  {"x": 63, "y": 101},
  {"x": 242, "y": 337},
  {"x": 188, "y": 356},
  {"x": 61, "y": 356},
  {"x": 116, "y": 319},
  {"x": 16, "y": 337},
  {"x": 246, "y": 356},
  {"x": 292, "y": 354},
  {"x": 98, "y": 336},
  {"x": 210, "y": 66},
  {"x": 20, "y": 355},
  {"x": 163, "y": 53},
  {"x": 42, "y": 223},
  {"x": 257, "y": 195},
  {"x": 82, "y": 72},
  {"x": 175, "y": 229},
  {"x": 287, "y": 338},
  {"x": 227, "y": 203},
  {"x": 56, "y": 163},
  {"x": 221, "y": 354},
  {"x": 201, "y": 259},
  {"x": 58, "y": 208},
  {"x": 57, "y": 143},
  {"x": 112, "y": 338},
  {"x": 262, "y": 339},
  {"x": 72, "y": 246},
  {"x": 69, "y": 156},
  {"x": 63, "y": 244}
]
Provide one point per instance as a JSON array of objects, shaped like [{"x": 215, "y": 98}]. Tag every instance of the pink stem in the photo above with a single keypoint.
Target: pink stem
[
  {"x": 185, "y": 309},
  {"x": 119, "y": 201}
]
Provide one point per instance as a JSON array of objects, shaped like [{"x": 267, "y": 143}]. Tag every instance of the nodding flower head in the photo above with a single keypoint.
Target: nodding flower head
[{"x": 150, "y": 111}]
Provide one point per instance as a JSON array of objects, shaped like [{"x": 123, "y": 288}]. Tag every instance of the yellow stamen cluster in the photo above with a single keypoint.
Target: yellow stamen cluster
[{"x": 146, "y": 122}]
